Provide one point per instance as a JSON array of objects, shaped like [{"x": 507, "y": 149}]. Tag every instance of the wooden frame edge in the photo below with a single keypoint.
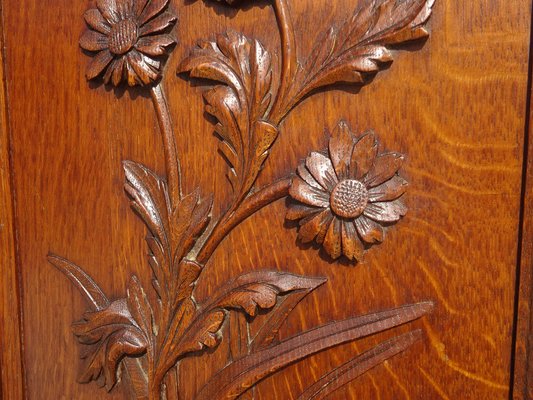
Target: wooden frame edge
[
  {"x": 522, "y": 367},
  {"x": 11, "y": 364}
]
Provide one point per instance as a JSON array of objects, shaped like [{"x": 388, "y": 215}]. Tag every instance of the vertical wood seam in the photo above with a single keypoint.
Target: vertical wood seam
[
  {"x": 11, "y": 340},
  {"x": 520, "y": 372}
]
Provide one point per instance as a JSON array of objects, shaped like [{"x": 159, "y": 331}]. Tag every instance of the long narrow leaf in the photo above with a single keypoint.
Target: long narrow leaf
[
  {"x": 356, "y": 367},
  {"x": 240, "y": 375},
  {"x": 87, "y": 287}
]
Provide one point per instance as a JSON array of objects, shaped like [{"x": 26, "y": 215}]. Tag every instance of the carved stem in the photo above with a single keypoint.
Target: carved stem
[
  {"x": 169, "y": 140},
  {"x": 249, "y": 206},
  {"x": 289, "y": 60}
]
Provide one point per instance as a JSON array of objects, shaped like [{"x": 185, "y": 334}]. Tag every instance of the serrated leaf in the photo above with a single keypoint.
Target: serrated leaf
[
  {"x": 140, "y": 308},
  {"x": 100, "y": 347},
  {"x": 244, "y": 66},
  {"x": 205, "y": 334},
  {"x": 258, "y": 290},
  {"x": 247, "y": 293},
  {"x": 150, "y": 199},
  {"x": 360, "y": 45},
  {"x": 110, "y": 334},
  {"x": 174, "y": 225}
]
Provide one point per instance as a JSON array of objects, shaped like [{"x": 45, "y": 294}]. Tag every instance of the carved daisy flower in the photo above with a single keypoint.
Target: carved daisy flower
[
  {"x": 127, "y": 36},
  {"x": 346, "y": 196}
]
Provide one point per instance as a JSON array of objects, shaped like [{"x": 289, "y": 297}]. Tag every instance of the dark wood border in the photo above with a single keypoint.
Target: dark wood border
[{"x": 11, "y": 375}]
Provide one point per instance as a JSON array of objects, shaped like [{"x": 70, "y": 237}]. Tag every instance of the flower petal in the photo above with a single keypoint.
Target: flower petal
[
  {"x": 109, "y": 72},
  {"x": 332, "y": 241},
  {"x": 363, "y": 155},
  {"x": 323, "y": 230},
  {"x": 109, "y": 10},
  {"x": 312, "y": 226},
  {"x": 154, "y": 45},
  {"x": 370, "y": 231},
  {"x": 93, "y": 41},
  {"x": 144, "y": 71},
  {"x": 126, "y": 8},
  {"x": 322, "y": 170},
  {"x": 307, "y": 177},
  {"x": 131, "y": 76},
  {"x": 386, "y": 212},
  {"x": 159, "y": 23},
  {"x": 340, "y": 149},
  {"x": 139, "y": 6},
  {"x": 299, "y": 211},
  {"x": 389, "y": 190},
  {"x": 352, "y": 247},
  {"x": 115, "y": 72},
  {"x": 307, "y": 194},
  {"x": 385, "y": 167},
  {"x": 153, "y": 8},
  {"x": 98, "y": 63},
  {"x": 95, "y": 20}
]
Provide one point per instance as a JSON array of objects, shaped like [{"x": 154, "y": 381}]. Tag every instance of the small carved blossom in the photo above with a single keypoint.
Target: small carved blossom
[
  {"x": 129, "y": 38},
  {"x": 346, "y": 196}
]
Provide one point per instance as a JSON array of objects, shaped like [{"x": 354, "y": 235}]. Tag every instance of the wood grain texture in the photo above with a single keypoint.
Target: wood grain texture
[
  {"x": 465, "y": 176},
  {"x": 522, "y": 380},
  {"x": 355, "y": 186},
  {"x": 11, "y": 376}
]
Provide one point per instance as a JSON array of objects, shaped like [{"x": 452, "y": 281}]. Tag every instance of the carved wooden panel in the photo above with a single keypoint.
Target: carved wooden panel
[
  {"x": 301, "y": 197},
  {"x": 343, "y": 197}
]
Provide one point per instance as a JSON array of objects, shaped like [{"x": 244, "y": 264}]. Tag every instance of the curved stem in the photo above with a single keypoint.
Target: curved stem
[
  {"x": 169, "y": 141},
  {"x": 249, "y": 206},
  {"x": 289, "y": 57}
]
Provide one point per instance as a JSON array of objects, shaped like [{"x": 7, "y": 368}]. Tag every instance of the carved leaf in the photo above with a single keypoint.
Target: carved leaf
[
  {"x": 140, "y": 308},
  {"x": 268, "y": 332},
  {"x": 98, "y": 301},
  {"x": 241, "y": 343},
  {"x": 245, "y": 67},
  {"x": 87, "y": 287},
  {"x": 111, "y": 334},
  {"x": 247, "y": 293},
  {"x": 256, "y": 290},
  {"x": 150, "y": 201},
  {"x": 361, "y": 45},
  {"x": 242, "y": 374},
  {"x": 356, "y": 367},
  {"x": 175, "y": 224}
]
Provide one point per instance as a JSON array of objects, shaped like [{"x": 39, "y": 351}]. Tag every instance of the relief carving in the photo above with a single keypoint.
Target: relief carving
[
  {"x": 342, "y": 198},
  {"x": 346, "y": 195}
]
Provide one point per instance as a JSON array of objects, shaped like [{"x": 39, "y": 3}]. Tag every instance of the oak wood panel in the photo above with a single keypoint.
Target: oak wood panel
[
  {"x": 455, "y": 107},
  {"x": 11, "y": 377},
  {"x": 523, "y": 351}
]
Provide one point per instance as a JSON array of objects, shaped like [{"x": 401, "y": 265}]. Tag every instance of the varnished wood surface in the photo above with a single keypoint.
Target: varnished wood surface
[
  {"x": 523, "y": 356},
  {"x": 455, "y": 107},
  {"x": 11, "y": 374}
]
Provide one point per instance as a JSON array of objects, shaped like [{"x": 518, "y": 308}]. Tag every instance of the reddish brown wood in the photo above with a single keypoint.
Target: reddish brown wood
[
  {"x": 460, "y": 123},
  {"x": 347, "y": 195},
  {"x": 12, "y": 375},
  {"x": 355, "y": 182},
  {"x": 522, "y": 380}
]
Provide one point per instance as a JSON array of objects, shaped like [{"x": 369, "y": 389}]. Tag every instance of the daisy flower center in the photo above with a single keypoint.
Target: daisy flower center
[
  {"x": 123, "y": 36},
  {"x": 349, "y": 198}
]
